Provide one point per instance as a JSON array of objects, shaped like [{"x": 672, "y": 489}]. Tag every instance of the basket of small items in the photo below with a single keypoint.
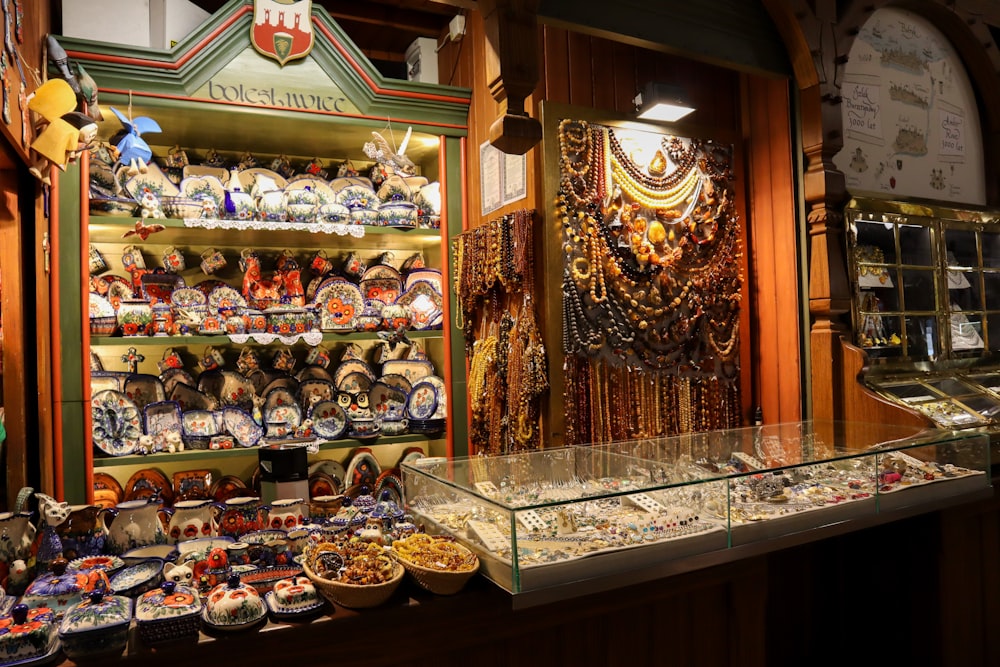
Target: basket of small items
[
  {"x": 437, "y": 563},
  {"x": 353, "y": 574}
]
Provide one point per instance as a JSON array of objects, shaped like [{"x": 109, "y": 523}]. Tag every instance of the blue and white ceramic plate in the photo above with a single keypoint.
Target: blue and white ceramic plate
[
  {"x": 386, "y": 401},
  {"x": 422, "y": 401},
  {"x": 162, "y": 417},
  {"x": 136, "y": 579},
  {"x": 99, "y": 562},
  {"x": 329, "y": 420},
  {"x": 144, "y": 389},
  {"x": 117, "y": 423}
]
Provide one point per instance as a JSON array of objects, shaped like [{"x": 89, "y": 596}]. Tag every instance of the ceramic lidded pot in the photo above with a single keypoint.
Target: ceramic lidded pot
[
  {"x": 60, "y": 588},
  {"x": 28, "y": 634},
  {"x": 97, "y": 627},
  {"x": 233, "y": 605},
  {"x": 170, "y": 612}
]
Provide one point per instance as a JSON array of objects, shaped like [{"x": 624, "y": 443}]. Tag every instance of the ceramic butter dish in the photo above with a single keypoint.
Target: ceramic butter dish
[
  {"x": 233, "y": 605},
  {"x": 169, "y": 613},
  {"x": 27, "y": 635},
  {"x": 97, "y": 627}
]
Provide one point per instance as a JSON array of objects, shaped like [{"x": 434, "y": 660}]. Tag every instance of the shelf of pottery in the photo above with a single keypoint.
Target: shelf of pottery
[{"x": 235, "y": 305}]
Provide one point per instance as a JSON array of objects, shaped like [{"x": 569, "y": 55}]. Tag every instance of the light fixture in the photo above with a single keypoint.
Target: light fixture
[{"x": 663, "y": 102}]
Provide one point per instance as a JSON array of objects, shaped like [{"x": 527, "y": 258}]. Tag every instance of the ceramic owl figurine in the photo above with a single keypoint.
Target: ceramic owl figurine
[{"x": 361, "y": 419}]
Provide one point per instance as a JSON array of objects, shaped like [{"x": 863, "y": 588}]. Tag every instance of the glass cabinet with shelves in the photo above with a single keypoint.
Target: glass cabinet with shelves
[
  {"x": 227, "y": 319},
  {"x": 925, "y": 308}
]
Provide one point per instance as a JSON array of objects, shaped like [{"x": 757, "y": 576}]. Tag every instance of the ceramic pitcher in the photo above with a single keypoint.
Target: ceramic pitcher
[
  {"x": 16, "y": 535},
  {"x": 241, "y": 515},
  {"x": 191, "y": 519},
  {"x": 134, "y": 523},
  {"x": 83, "y": 533},
  {"x": 287, "y": 513}
]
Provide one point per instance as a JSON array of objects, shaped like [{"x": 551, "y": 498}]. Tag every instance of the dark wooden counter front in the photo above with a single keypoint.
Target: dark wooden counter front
[{"x": 925, "y": 588}]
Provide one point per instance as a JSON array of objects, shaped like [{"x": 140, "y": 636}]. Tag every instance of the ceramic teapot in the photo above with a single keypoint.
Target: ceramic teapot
[{"x": 134, "y": 523}]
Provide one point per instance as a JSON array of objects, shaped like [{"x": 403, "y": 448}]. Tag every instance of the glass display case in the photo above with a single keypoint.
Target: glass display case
[
  {"x": 926, "y": 307},
  {"x": 562, "y": 516}
]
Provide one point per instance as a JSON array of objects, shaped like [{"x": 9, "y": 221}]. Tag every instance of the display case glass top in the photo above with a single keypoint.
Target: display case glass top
[{"x": 544, "y": 520}]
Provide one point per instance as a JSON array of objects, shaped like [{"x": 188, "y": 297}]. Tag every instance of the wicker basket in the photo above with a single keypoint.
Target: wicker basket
[
  {"x": 439, "y": 582},
  {"x": 354, "y": 596}
]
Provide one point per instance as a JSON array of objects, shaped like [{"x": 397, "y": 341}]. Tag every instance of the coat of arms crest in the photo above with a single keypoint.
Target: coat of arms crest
[{"x": 282, "y": 29}]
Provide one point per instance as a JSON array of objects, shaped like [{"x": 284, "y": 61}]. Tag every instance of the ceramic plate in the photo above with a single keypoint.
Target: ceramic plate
[
  {"x": 249, "y": 177},
  {"x": 355, "y": 196},
  {"x": 261, "y": 379},
  {"x": 329, "y": 420},
  {"x": 172, "y": 376},
  {"x": 192, "y": 484},
  {"x": 100, "y": 562},
  {"x": 340, "y": 303},
  {"x": 411, "y": 454},
  {"x": 398, "y": 381},
  {"x": 100, "y": 306},
  {"x": 264, "y": 536},
  {"x": 133, "y": 579},
  {"x": 204, "y": 187},
  {"x": 334, "y": 469},
  {"x": 117, "y": 423},
  {"x": 278, "y": 397},
  {"x": 119, "y": 289},
  {"x": 285, "y": 381},
  {"x": 226, "y": 487},
  {"x": 394, "y": 188},
  {"x": 314, "y": 373},
  {"x": 289, "y": 413},
  {"x": 349, "y": 366},
  {"x": 229, "y": 387},
  {"x": 363, "y": 469},
  {"x": 144, "y": 389},
  {"x": 154, "y": 180},
  {"x": 432, "y": 276},
  {"x": 315, "y": 390},
  {"x": 386, "y": 401},
  {"x": 107, "y": 488},
  {"x": 390, "y": 482},
  {"x": 422, "y": 401},
  {"x": 190, "y": 398},
  {"x": 424, "y": 303},
  {"x": 320, "y": 187},
  {"x": 207, "y": 286},
  {"x": 225, "y": 296},
  {"x": 149, "y": 483},
  {"x": 385, "y": 290},
  {"x": 442, "y": 394},
  {"x": 413, "y": 370},
  {"x": 322, "y": 484},
  {"x": 355, "y": 383},
  {"x": 186, "y": 297},
  {"x": 220, "y": 173},
  {"x": 241, "y": 426},
  {"x": 103, "y": 380},
  {"x": 162, "y": 417}
]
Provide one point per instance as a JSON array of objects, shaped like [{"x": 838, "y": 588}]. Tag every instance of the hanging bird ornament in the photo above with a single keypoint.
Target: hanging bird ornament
[
  {"x": 133, "y": 151},
  {"x": 395, "y": 160}
]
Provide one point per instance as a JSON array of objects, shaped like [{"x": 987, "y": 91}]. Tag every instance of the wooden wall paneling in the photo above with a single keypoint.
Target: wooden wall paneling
[
  {"x": 865, "y": 406},
  {"x": 774, "y": 251},
  {"x": 555, "y": 68},
  {"x": 604, "y": 72},
  {"x": 581, "y": 70},
  {"x": 16, "y": 352},
  {"x": 625, "y": 83}
]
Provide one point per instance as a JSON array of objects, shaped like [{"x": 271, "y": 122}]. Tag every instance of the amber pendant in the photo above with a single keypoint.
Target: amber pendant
[{"x": 658, "y": 165}]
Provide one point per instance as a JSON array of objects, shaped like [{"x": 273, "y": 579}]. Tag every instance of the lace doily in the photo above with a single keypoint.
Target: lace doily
[
  {"x": 310, "y": 338},
  {"x": 339, "y": 228}
]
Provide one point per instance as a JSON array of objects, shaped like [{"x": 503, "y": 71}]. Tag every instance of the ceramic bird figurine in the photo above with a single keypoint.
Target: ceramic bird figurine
[
  {"x": 133, "y": 151},
  {"x": 395, "y": 160}
]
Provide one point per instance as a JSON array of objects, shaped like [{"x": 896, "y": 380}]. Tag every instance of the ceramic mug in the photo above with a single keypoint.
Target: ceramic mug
[
  {"x": 320, "y": 264},
  {"x": 212, "y": 260},
  {"x": 212, "y": 359},
  {"x": 173, "y": 260},
  {"x": 132, "y": 258},
  {"x": 97, "y": 262}
]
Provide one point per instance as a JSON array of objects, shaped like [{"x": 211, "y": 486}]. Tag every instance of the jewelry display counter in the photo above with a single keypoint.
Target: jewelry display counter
[{"x": 555, "y": 519}]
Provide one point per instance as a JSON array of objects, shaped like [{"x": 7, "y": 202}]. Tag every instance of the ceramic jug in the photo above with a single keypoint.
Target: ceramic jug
[
  {"x": 16, "y": 536},
  {"x": 83, "y": 533},
  {"x": 191, "y": 519},
  {"x": 241, "y": 515},
  {"x": 134, "y": 523},
  {"x": 287, "y": 513}
]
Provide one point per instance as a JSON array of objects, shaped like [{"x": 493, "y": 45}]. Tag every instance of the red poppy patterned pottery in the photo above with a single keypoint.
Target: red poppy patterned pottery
[
  {"x": 169, "y": 613},
  {"x": 241, "y": 515},
  {"x": 191, "y": 519},
  {"x": 287, "y": 513},
  {"x": 28, "y": 635},
  {"x": 135, "y": 317},
  {"x": 233, "y": 605}
]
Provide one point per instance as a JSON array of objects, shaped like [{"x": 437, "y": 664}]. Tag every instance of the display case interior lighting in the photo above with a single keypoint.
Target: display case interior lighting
[{"x": 663, "y": 102}]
